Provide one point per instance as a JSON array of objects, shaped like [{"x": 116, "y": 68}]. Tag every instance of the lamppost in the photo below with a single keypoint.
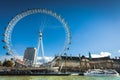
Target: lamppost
[{"x": 65, "y": 61}]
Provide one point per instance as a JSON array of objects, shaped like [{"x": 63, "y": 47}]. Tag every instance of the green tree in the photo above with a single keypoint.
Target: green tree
[{"x": 8, "y": 63}]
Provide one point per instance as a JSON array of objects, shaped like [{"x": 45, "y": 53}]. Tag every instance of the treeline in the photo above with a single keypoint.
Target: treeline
[{"x": 7, "y": 63}]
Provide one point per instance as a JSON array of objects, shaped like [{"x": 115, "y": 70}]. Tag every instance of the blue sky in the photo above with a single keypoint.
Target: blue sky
[{"x": 94, "y": 24}]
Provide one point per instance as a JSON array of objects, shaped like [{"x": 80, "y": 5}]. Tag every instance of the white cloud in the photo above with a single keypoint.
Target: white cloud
[
  {"x": 47, "y": 59},
  {"x": 2, "y": 58},
  {"x": 119, "y": 51},
  {"x": 102, "y": 54}
]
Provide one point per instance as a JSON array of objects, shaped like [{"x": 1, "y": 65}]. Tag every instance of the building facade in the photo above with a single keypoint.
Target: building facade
[
  {"x": 83, "y": 63},
  {"x": 30, "y": 56}
]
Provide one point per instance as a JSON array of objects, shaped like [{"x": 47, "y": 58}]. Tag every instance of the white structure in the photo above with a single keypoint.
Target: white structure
[
  {"x": 40, "y": 45},
  {"x": 30, "y": 56},
  {"x": 9, "y": 29}
]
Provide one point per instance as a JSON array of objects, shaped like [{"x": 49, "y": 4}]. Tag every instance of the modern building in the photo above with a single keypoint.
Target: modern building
[{"x": 30, "y": 56}]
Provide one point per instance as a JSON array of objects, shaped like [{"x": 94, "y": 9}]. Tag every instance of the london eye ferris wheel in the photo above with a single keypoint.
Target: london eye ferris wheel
[{"x": 11, "y": 25}]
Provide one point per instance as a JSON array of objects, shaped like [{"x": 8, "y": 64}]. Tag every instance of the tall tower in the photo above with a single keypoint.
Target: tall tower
[
  {"x": 30, "y": 56},
  {"x": 40, "y": 47}
]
